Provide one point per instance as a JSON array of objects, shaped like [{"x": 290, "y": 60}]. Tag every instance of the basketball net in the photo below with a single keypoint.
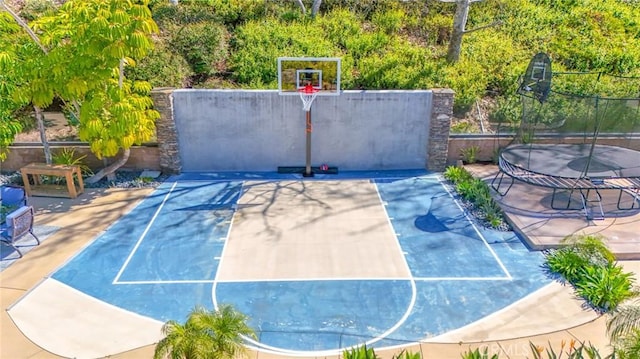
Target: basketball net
[{"x": 307, "y": 95}]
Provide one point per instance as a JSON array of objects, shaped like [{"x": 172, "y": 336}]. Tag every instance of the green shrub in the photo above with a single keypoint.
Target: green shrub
[
  {"x": 25, "y": 119},
  {"x": 398, "y": 66},
  {"x": 361, "y": 352},
  {"x": 471, "y": 190},
  {"x": 340, "y": 26},
  {"x": 366, "y": 8},
  {"x": 34, "y": 9},
  {"x": 592, "y": 247},
  {"x": 468, "y": 79},
  {"x": 469, "y": 154},
  {"x": 203, "y": 45},
  {"x": 507, "y": 112},
  {"x": 390, "y": 21},
  {"x": 590, "y": 267},
  {"x": 435, "y": 30},
  {"x": 567, "y": 262},
  {"x": 457, "y": 174},
  {"x": 581, "y": 251},
  {"x": 462, "y": 127},
  {"x": 228, "y": 12},
  {"x": 162, "y": 68},
  {"x": 477, "y": 354},
  {"x": 257, "y": 46},
  {"x": 67, "y": 156},
  {"x": 628, "y": 347},
  {"x": 401, "y": 45},
  {"x": 478, "y": 193},
  {"x": 235, "y": 12},
  {"x": 605, "y": 287},
  {"x": 574, "y": 350},
  {"x": 405, "y": 354}
]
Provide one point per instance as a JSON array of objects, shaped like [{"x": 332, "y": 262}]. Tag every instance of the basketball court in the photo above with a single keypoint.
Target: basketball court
[{"x": 318, "y": 265}]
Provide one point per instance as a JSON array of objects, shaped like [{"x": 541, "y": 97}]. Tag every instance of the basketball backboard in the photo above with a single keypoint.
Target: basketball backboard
[
  {"x": 537, "y": 80},
  {"x": 323, "y": 73}
]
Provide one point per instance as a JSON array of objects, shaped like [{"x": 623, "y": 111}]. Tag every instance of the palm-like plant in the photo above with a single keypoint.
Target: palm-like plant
[
  {"x": 624, "y": 330},
  {"x": 205, "y": 335}
]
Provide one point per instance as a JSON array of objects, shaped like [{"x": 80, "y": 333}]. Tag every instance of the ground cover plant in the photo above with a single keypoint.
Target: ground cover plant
[{"x": 478, "y": 195}]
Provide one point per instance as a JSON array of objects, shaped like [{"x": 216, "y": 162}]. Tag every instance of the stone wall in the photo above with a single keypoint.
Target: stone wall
[
  {"x": 441, "y": 114},
  {"x": 166, "y": 131}
]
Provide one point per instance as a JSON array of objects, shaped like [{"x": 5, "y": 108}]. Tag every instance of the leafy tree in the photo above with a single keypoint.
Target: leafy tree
[
  {"x": 9, "y": 126},
  {"x": 78, "y": 54},
  {"x": 25, "y": 79},
  {"x": 205, "y": 334}
]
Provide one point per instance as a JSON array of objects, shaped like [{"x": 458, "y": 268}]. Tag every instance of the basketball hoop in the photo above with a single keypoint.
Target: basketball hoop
[{"x": 307, "y": 95}]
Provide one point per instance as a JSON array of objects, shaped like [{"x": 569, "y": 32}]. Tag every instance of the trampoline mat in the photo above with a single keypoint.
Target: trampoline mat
[{"x": 572, "y": 160}]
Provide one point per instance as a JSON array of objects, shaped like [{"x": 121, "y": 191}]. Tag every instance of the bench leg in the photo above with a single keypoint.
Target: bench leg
[
  {"x": 27, "y": 185},
  {"x": 80, "y": 181},
  {"x": 71, "y": 186}
]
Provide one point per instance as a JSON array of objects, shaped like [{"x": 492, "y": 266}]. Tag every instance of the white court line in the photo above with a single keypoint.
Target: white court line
[
  {"x": 420, "y": 279},
  {"x": 466, "y": 215},
  {"x": 177, "y": 281},
  {"x": 146, "y": 230},
  {"x": 460, "y": 279},
  {"x": 224, "y": 248}
]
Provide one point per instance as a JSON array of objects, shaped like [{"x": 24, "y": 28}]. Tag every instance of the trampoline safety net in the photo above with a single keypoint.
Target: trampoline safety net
[{"x": 580, "y": 135}]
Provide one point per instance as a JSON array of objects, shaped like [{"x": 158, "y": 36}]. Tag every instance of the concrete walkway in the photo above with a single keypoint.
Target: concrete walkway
[{"x": 548, "y": 316}]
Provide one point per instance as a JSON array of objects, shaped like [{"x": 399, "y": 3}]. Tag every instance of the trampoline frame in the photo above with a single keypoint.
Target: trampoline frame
[{"x": 584, "y": 185}]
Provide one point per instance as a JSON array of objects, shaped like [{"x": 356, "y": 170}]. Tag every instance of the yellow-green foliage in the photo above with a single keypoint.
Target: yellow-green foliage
[
  {"x": 384, "y": 44},
  {"x": 203, "y": 45},
  {"x": 388, "y": 44},
  {"x": 162, "y": 68}
]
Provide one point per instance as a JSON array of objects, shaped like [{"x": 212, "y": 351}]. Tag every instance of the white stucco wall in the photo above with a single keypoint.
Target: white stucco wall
[{"x": 246, "y": 130}]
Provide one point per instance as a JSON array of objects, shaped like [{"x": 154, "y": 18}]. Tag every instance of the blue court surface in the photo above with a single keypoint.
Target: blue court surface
[{"x": 162, "y": 259}]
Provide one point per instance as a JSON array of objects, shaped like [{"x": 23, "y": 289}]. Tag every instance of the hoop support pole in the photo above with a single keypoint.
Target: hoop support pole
[{"x": 307, "y": 171}]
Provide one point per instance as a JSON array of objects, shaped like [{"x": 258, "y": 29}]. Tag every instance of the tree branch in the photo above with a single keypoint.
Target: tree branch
[
  {"x": 304, "y": 9},
  {"x": 495, "y": 23},
  {"x": 24, "y": 25}
]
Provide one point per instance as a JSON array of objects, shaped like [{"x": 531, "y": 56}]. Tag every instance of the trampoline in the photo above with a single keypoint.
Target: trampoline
[
  {"x": 572, "y": 167},
  {"x": 558, "y": 142}
]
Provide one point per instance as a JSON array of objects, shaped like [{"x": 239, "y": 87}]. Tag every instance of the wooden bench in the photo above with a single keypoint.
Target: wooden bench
[{"x": 35, "y": 187}]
